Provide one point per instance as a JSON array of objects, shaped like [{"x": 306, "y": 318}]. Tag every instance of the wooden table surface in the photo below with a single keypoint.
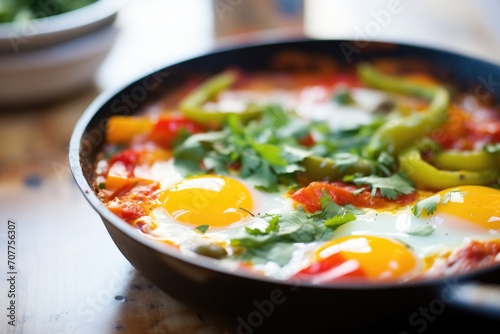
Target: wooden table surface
[{"x": 69, "y": 275}]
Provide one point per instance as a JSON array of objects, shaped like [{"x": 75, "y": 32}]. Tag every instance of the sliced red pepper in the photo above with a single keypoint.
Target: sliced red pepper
[
  {"x": 167, "y": 128},
  {"x": 127, "y": 211},
  {"x": 129, "y": 158},
  {"x": 343, "y": 194},
  {"x": 307, "y": 140},
  {"x": 316, "y": 269}
]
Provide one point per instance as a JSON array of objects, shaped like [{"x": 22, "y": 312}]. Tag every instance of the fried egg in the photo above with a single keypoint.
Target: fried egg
[
  {"x": 223, "y": 203},
  {"x": 475, "y": 209},
  {"x": 389, "y": 245},
  {"x": 360, "y": 257}
]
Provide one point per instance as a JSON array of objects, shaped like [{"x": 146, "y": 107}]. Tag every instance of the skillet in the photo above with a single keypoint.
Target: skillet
[{"x": 257, "y": 304}]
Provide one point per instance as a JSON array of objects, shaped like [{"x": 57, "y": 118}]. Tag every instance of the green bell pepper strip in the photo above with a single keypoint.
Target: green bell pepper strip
[
  {"x": 428, "y": 176},
  {"x": 192, "y": 104},
  {"x": 325, "y": 169},
  {"x": 393, "y": 136},
  {"x": 397, "y": 134},
  {"x": 468, "y": 160}
]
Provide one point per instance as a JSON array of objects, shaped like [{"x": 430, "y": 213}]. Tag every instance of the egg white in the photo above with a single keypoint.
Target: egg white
[{"x": 402, "y": 225}]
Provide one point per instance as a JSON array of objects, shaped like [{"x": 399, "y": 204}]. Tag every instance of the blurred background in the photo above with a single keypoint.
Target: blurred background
[
  {"x": 50, "y": 71},
  {"x": 50, "y": 86},
  {"x": 472, "y": 27}
]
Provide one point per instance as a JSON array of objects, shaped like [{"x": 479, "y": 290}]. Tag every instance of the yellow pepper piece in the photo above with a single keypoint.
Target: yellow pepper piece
[
  {"x": 427, "y": 176},
  {"x": 121, "y": 129},
  {"x": 470, "y": 160}
]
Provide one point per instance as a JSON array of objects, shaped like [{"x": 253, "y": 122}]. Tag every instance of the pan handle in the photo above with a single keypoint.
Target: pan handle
[{"x": 477, "y": 297}]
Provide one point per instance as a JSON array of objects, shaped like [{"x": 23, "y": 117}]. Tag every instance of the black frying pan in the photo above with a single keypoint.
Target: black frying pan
[{"x": 258, "y": 304}]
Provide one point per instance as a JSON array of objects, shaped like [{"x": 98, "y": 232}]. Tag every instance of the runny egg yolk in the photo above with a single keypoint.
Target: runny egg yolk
[
  {"x": 477, "y": 204},
  {"x": 207, "y": 200},
  {"x": 364, "y": 257}
]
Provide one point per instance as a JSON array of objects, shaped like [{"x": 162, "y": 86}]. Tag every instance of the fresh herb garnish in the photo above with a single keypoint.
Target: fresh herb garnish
[
  {"x": 264, "y": 156},
  {"x": 430, "y": 203},
  {"x": 275, "y": 242},
  {"x": 337, "y": 221},
  {"x": 343, "y": 97},
  {"x": 389, "y": 186},
  {"x": 422, "y": 230},
  {"x": 272, "y": 226},
  {"x": 202, "y": 228}
]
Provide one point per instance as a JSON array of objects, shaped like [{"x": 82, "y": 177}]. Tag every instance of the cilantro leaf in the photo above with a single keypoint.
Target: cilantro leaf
[
  {"x": 386, "y": 163},
  {"x": 335, "y": 215},
  {"x": 294, "y": 154},
  {"x": 331, "y": 209},
  {"x": 290, "y": 228},
  {"x": 250, "y": 162},
  {"x": 275, "y": 116},
  {"x": 217, "y": 163},
  {"x": 278, "y": 252},
  {"x": 270, "y": 153},
  {"x": 263, "y": 177},
  {"x": 422, "y": 230},
  {"x": 276, "y": 242},
  {"x": 272, "y": 226},
  {"x": 187, "y": 167},
  {"x": 428, "y": 204},
  {"x": 202, "y": 228},
  {"x": 340, "y": 220},
  {"x": 390, "y": 186}
]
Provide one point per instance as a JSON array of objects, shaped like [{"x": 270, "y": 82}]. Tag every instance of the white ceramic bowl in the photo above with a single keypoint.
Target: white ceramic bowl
[{"x": 49, "y": 58}]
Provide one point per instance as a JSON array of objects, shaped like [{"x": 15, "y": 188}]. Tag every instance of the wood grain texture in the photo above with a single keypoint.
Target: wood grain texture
[{"x": 71, "y": 278}]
